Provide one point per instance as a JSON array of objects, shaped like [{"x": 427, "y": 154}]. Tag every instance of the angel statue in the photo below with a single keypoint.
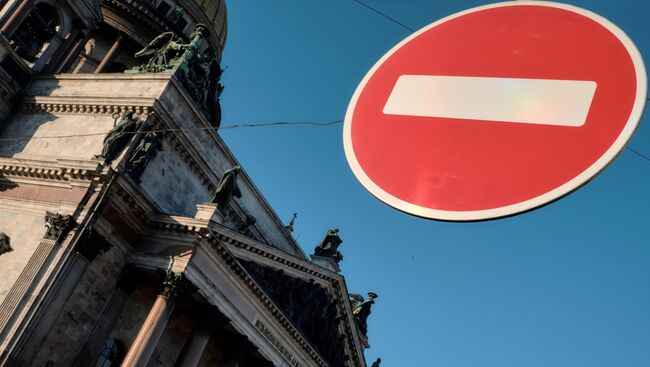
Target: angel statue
[{"x": 164, "y": 49}]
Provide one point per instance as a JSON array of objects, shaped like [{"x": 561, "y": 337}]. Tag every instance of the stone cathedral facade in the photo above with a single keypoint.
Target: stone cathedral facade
[{"x": 129, "y": 235}]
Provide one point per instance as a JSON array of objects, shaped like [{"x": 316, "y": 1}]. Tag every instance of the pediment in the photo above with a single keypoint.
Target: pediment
[{"x": 309, "y": 306}]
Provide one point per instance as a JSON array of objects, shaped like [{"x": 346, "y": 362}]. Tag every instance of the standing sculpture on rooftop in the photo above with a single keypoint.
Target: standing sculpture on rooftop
[
  {"x": 361, "y": 311},
  {"x": 227, "y": 188},
  {"x": 119, "y": 136},
  {"x": 162, "y": 52},
  {"x": 328, "y": 247},
  {"x": 376, "y": 363},
  {"x": 144, "y": 153}
]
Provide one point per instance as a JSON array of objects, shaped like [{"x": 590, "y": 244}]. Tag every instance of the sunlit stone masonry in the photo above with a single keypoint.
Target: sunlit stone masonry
[{"x": 129, "y": 234}]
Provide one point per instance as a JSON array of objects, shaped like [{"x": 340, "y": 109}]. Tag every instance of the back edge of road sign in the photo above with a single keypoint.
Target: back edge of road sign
[{"x": 495, "y": 110}]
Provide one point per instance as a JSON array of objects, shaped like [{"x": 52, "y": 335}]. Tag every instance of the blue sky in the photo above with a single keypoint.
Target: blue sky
[{"x": 566, "y": 285}]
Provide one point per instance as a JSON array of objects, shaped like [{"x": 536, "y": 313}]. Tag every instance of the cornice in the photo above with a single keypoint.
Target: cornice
[
  {"x": 57, "y": 170},
  {"x": 87, "y": 105}
]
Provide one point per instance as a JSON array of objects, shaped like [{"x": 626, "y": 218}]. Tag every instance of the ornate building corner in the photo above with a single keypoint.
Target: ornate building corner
[
  {"x": 56, "y": 225},
  {"x": 5, "y": 243}
]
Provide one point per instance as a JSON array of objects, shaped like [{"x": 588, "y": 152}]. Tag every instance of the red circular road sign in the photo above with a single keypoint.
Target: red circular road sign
[{"x": 495, "y": 110}]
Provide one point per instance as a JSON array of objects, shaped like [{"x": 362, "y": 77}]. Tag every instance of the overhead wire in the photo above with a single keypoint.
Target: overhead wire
[
  {"x": 226, "y": 127},
  {"x": 385, "y": 15}
]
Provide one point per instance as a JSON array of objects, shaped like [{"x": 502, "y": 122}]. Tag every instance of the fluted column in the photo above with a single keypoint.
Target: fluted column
[
  {"x": 71, "y": 39},
  {"x": 51, "y": 307},
  {"x": 108, "y": 318},
  {"x": 56, "y": 228},
  {"x": 14, "y": 19},
  {"x": 154, "y": 325},
  {"x": 73, "y": 53}
]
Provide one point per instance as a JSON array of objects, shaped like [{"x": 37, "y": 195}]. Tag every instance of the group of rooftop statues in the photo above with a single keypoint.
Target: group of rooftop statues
[{"x": 197, "y": 68}]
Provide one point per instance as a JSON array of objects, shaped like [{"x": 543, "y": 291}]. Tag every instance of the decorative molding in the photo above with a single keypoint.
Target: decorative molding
[
  {"x": 42, "y": 105},
  {"x": 56, "y": 170}
]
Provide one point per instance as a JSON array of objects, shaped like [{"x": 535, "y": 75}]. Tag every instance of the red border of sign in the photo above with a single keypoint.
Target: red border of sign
[{"x": 581, "y": 179}]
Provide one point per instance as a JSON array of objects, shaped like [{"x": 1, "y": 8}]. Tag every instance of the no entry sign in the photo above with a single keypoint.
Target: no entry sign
[{"x": 495, "y": 110}]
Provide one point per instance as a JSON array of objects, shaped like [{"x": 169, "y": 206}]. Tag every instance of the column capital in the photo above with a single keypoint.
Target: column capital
[
  {"x": 56, "y": 225},
  {"x": 176, "y": 285}
]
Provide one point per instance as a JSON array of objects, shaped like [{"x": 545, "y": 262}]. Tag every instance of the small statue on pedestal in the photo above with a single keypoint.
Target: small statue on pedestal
[
  {"x": 227, "y": 188},
  {"x": 361, "y": 312},
  {"x": 328, "y": 247},
  {"x": 376, "y": 363}
]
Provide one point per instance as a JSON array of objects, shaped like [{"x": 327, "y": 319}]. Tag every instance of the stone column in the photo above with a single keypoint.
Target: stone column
[
  {"x": 53, "y": 304},
  {"x": 109, "y": 317},
  {"x": 16, "y": 17},
  {"x": 71, "y": 39},
  {"x": 206, "y": 319},
  {"x": 154, "y": 325},
  {"x": 57, "y": 226},
  {"x": 110, "y": 56},
  {"x": 73, "y": 54},
  {"x": 56, "y": 298}
]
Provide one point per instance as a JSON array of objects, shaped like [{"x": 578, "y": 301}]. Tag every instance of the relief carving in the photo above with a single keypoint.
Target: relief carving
[{"x": 307, "y": 305}]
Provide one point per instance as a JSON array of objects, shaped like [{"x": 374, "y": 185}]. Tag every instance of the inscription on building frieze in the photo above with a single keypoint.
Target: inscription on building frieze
[{"x": 275, "y": 341}]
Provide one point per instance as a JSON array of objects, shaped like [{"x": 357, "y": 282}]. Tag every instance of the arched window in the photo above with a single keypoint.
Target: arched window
[
  {"x": 111, "y": 354},
  {"x": 35, "y": 32}
]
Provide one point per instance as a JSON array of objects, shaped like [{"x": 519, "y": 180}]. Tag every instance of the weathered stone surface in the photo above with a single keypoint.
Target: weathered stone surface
[
  {"x": 82, "y": 311},
  {"x": 25, "y": 230}
]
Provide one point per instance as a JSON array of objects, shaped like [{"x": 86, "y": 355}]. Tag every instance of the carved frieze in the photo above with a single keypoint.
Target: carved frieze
[
  {"x": 308, "y": 306},
  {"x": 56, "y": 225}
]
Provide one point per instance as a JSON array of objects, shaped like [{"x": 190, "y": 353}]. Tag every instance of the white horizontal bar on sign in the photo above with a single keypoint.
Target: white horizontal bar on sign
[{"x": 531, "y": 101}]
